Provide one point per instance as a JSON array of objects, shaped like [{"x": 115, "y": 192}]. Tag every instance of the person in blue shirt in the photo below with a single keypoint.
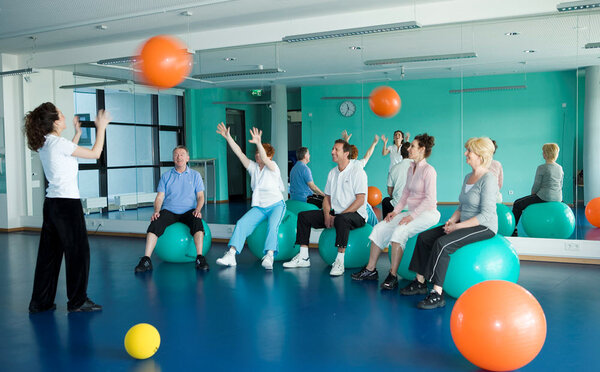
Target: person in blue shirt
[
  {"x": 301, "y": 181},
  {"x": 180, "y": 198}
]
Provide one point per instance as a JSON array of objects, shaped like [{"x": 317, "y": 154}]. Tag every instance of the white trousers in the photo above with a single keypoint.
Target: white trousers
[{"x": 385, "y": 232}]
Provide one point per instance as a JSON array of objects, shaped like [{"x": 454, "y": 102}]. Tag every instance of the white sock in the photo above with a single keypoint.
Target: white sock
[
  {"x": 232, "y": 250},
  {"x": 340, "y": 257},
  {"x": 304, "y": 252},
  {"x": 270, "y": 254}
]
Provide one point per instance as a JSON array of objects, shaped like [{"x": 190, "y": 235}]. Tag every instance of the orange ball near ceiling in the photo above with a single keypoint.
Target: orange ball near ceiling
[
  {"x": 592, "y": 212},
  {"x": 164, "y": 61},
  {"x": 384, "y": 102},
  {"x": 498, "y": 325},
  {"x": 373, "y": 196}
]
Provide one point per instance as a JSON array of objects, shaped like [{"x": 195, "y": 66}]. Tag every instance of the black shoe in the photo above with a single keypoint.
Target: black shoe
[
  {"x": 144, "y": 265},
  {"x": 432, "y": 301},
  {"x": 414, "y": 288},
  {"x": 35, "y": 309},
  {"x": 201, "y": 263},
  {"x": 391, "y": 282},
  {"x": 365, "y": 274},
  {"x": 87, "y": 306}
]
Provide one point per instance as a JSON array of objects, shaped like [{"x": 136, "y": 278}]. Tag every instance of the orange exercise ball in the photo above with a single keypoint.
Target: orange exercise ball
[
  {"x": 592, "y": 212},
  {"x": 373, "y": 196},
  {"x": 498, "y": 325},
  {"x": 384, "y": 102},
  {"x": 164, "y": 61}
]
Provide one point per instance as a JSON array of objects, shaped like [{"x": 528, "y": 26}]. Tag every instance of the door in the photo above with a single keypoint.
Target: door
[{"x": 236, "y": 173}]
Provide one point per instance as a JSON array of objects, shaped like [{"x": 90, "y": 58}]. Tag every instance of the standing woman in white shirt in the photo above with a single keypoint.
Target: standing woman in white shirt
[
  {"x": 394, "y": 149},
  {"x": 63, "y": 229},
  {"x": 267, "y": 198}
]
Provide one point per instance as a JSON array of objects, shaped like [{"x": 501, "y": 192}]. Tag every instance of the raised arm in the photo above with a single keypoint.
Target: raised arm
[
  {"x": 346, "y": 136},
  {"x": 385, "y": 150},
  {"x": 256, "y": 139},
  {"x": 77, "y": 125},
  {"x": 371, "y": 149},
  {"x": 102, "y": 120},
  {"x": 224, "y": 131}
]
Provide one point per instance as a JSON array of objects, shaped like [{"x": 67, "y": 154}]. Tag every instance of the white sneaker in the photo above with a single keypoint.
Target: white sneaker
[
  {"x": 267, "y": 262},
  {"x": 337, "y": 269},
  {"x": 228, "y": 259},
  {"x": 297, "y": 261}
]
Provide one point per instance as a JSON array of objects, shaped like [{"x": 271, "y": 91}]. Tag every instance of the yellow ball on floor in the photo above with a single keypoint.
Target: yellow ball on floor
[{"x": 142, "y": 341}]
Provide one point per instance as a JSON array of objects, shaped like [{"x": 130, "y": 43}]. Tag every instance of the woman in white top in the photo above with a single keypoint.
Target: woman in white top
[
  {"x": 267, "y": 198},
  {"x": 394, "y": 149},
  {"x": 63, "y": 227}
]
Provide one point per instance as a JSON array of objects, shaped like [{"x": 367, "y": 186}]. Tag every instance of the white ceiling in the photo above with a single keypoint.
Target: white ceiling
[{"x": 251, "y": 32}]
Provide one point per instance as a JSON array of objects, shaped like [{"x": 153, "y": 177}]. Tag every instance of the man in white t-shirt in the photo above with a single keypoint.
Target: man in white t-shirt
[
  {"x": 344, "y": 208},
  {"x": 396, "y": 181}
]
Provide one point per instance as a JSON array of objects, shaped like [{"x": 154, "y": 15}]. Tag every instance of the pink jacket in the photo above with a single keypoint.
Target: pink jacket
[{"x": 420, "y": 193}]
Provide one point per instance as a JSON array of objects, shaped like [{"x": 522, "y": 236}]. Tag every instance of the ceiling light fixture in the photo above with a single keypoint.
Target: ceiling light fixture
[
  {"x": 186, "y": 13},
  {"x": 239, "y": 73},
  {"x": 92, "y": 85},
  {"x": 592, "y": 45},
  {"x": 352, "y": 32},
  {"x": 24, "y": 71},
  {"x": 439, "y": 57},
  {"x": 118, "y": 61},
  {"x": 102, "y": 27},
  {"x": 577, "y": 5},
  {"x": 488, "y": 89}
]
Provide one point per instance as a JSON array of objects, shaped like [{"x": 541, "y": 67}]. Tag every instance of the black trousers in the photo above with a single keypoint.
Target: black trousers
[
  {"x": 167, "y": 218},
  {"x": 433, "y": 248},
  {"x": 343, "y": 223},
  {"x": 386, "y": 206},
  {"x": 63, "y": 231},
  {"x": 520, "y": 204}
]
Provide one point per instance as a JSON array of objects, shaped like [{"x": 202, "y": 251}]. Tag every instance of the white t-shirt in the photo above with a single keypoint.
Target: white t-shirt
[
  {"x": 395, "y": 155},
  {"x": 60, "y": 167},
  {"x": 343, "y": 186},
  {"x": 267, "y": 186},
  {"x": 397, "y": 179}
]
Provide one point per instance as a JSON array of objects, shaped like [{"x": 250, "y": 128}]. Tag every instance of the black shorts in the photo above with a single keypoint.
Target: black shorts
[{"x": 168, "y": 218}]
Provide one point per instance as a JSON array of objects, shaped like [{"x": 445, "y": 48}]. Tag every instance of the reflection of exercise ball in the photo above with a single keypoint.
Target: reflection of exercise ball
[
  {"x": 490, "y": 259},
  {"x": 373, "y": 196},
  {"x": 286, "y": 238},
  {"x": 384, "y": 102},
  {"x": 548, "y": 220},
  {"x": 592, "y": 212},
  {"x": 357, "y": 251},
  {"x": 177, "y": 245},
  {"x": 164, "y": 61},
  {"x": 142, "y": 341},
  {"x": 498, "y": 325},
  {"x": 592, "y": 234},
  {"x": 506, "y": 220},
  {"x": 296, "y": 206}
]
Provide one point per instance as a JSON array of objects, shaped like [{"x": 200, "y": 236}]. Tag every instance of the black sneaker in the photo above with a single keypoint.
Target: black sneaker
[
  {"x": 201, "y": 263},
  {"x": 144, "y": 265},
  {"x": 391, "y": 282},
  {"x": 365, "y": 274},
  {"x": 432, "y": 301},
  {"x": 35, "y": 309},
  {"x": 87, "y": 306},
  {"x": 413, "y": 288}
]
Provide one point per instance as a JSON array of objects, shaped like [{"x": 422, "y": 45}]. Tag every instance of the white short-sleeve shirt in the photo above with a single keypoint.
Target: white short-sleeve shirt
[
  {"x": 342, "y": 187},
  {"x": 60, "y": 167},
  {"x": 267, "y": 186},
  {"x": 395, "y": 155}
]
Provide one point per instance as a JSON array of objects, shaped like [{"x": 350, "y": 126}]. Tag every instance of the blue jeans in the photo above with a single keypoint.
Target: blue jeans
[{"x": 249, "y": 221}]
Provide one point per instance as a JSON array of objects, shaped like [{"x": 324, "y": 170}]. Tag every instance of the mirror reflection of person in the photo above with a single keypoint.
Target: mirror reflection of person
[
  {"x": 301, "y": 181},
  {"x": 394, "y": 149}
]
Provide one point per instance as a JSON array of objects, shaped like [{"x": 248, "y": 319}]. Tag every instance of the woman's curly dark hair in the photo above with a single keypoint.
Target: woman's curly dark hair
[
  {"x": 38, "y": 123},
  {"x": 426, "y": 141}
]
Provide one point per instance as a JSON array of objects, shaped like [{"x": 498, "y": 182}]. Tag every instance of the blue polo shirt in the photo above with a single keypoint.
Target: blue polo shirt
[
  {"x": 299, "y": 177},
  {"x": 180, "y": 189}
]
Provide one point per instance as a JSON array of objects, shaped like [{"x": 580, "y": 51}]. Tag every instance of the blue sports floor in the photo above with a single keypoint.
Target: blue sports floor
[{"x": 246, "y": 319}]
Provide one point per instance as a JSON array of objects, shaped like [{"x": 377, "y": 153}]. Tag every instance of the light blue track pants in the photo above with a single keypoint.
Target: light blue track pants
[{"x": 249, "y": 221}]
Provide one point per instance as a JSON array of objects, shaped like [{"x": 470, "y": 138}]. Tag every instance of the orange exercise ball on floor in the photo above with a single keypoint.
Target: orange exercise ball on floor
[
  {"x": 384, "y": 102},
  {"x": 164, "y": 61},
  {"x": 592, "y": 212},
  {"x": 498, "y": 325},
  {"x": 373, "y": 196}
]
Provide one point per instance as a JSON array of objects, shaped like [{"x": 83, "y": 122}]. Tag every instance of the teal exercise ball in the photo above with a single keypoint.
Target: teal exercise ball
[
  {"x": 506, "y": 220},
  {"x": 490, "y": 259},
  {"x": 357, "y": 251},
  {"x": 296, "y": 206},
  {"x": 177, "y": 245},
  {"x": 554, "y": 220},
  {"x": 286, "y": 238}
]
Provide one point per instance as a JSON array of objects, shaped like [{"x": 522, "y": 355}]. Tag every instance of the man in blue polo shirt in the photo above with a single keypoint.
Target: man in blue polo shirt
[
  {"x": 301, "y": 181},
  {"x": 180, "y": 199}
]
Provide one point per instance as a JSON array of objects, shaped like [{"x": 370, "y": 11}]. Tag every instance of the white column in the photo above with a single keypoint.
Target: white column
[
  {"x": 591, "y": 134},
  {"x": 279, "y": 130}
]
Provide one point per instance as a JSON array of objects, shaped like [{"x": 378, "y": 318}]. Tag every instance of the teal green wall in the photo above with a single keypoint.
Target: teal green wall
[{"x": 521, "y": 121}]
